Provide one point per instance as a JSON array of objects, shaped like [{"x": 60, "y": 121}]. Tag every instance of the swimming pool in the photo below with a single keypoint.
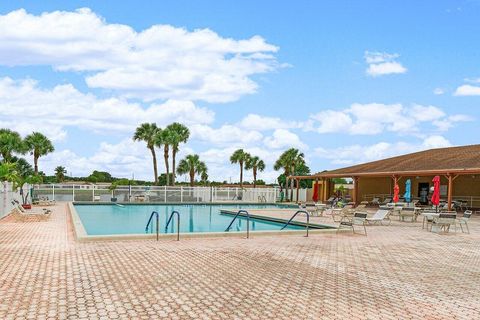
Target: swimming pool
[{"x": 112, "y": 219}]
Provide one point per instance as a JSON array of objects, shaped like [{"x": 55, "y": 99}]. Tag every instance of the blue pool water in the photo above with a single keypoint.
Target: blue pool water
[{"x": 131, "y": 219}]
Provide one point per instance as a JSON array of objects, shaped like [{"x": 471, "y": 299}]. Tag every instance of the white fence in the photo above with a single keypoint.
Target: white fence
[
  {"x": 68, "y": 192},
  {"x": 6, "y": 197}
]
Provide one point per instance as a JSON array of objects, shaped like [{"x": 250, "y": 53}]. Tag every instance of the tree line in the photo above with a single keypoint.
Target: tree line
[{"x": 292, "y": 161}]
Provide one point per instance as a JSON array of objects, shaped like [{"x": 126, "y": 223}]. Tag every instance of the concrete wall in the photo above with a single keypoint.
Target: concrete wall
[{"x": 6, "y": 197}]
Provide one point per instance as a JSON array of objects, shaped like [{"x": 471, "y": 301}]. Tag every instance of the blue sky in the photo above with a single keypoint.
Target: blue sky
[{"x": 344, "y": 81}]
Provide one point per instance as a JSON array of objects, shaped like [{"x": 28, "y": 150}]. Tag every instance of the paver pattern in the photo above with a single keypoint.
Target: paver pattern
[{"x": 396, "y": 272}]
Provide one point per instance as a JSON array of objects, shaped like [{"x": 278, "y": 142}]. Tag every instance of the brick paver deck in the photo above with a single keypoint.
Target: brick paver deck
[{"x": 396, "y": 272}]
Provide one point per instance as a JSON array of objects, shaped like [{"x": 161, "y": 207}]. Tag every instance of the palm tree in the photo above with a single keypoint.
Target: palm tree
[
  {"x": 60, "y": 173},
  {"x": 10, "y": 141},
  {"x": 8, "y": 172},
  {"x": 166, "y": 140},
  {"x": 192, "y": 165},
  {"x": 38, "y": 145},
  {"x": 289, "y": 160},
  {"x": 204, "y": 177},
  {"x": 178, "y": 134},
  {"x": 149, "y": 133},
  {"x": 240, "y": 157},
  {"x": 255, "y": 164}
]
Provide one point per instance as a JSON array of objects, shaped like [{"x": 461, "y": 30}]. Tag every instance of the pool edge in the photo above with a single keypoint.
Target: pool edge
[{"x": 82, "y": 236}]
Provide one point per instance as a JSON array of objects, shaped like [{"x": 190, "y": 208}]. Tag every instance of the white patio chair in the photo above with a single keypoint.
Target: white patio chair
[
  {"x": 358, "y": 219},
  {"x": 463, "y": 221},
  {"x": 379, "y": 217}
]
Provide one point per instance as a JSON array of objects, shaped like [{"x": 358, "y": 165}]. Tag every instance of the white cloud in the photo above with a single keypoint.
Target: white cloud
[
  {"x": 381, "y": 63},
  {"x": 438, "y": 91},
  {"x": 354, "y": 154},
  {"x": 25, "y": 106},
  {"x": 263, "y": 123},
  {"x": 425, "y": 113},
  {"x": 121, "y": 160},
  {"x": 282, "y": 138},
  {"x": 467, "y": 90},
  {"x": 225, "y": 135},
  {"x": 376, "y": 118},
  {"x": 161, "y": 62}
]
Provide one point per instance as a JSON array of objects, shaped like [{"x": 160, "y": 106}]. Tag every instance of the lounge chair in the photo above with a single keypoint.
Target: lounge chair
[
  {"x": 385, "y": 201},
  {"x": 375, "y": 201},
  {"x": 463, "y": 221},
  {"x": 379, "y": 217},
  {"x": 358, "y": 219},
  {"x": 20, "y": 214},
  {"x": 444, "y": 221}
]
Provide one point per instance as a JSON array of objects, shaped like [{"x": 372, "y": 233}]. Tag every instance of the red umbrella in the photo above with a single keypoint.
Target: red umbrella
[
  {"x": 396, "y": 191},
  {"x": 315, "y": 192},
  {"x": 436, "y": 191}
]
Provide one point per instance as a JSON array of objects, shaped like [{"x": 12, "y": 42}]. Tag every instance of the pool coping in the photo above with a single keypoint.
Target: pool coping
[
  {"x": 314, "y": 226},
  {"x": 81, "y": 235}
]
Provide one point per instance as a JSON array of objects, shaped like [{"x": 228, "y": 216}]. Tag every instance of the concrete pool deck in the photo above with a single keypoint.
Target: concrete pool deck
[{"x": 396, "y": 272}]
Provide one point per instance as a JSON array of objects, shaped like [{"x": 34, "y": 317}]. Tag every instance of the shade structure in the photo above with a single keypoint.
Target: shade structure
[
  {"x": 408, "y": 190},
  {"x": 436, "y": 191},
  {"x": 396, "y": 191},
  {"x": 315, "y": 192}
]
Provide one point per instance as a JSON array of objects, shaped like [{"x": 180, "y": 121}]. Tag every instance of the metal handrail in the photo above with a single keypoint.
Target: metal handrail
[
  {"x": 234, "y": 218},
  {"x": 178, "y": 223},
  {"x": 299, "y": 211},
  {"x": 150, "y": 221}
]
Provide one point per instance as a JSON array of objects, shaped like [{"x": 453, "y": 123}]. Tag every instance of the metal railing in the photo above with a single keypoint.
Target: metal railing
[
  {"x": 234, "y": 218},
  {"x": 150, "y": 221},
  {"x": 157, "y": 194},
  {"x": 178, "y": 223},
  {"x": 299, "y": 211}
]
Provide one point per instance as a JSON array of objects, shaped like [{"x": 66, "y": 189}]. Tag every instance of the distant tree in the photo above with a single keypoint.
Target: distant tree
[
  {"x": 204, "y": 177},
  {"x": 60, "y": 173},
  {"x": 255, "y": 164},
  {"x": 163, "y": 179},
  {"x": 38, "y": 145},
  {"x": 340, "y": 181},
  {"x": 149, "y": 132},
  {"x": 260, "y": 182},
  {"x": 192, "y": 165},
  {"x": 240, "y": 157},
  {"x": 178, "y": 133},
  {"x": 100, "y": 176},
  {"x": 10, "y": 142}
]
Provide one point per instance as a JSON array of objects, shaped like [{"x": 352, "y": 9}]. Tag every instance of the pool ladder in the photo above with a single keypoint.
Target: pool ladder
[
  {"x": 155, "y": 213},
  {"x": 150, "y": 220},
  {"x": 299, "y": 211},
  {"x": 236, "y": 216}
]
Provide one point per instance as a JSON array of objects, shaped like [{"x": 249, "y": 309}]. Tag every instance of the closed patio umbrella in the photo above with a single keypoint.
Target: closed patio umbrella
[
  {"x": 396, "y": 191},
  {"x": 408, "y": 190},
  {"x": 315, "y": 192},
  {"x": 436, "y": 191}
]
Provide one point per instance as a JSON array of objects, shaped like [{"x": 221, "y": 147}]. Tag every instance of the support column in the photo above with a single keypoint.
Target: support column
[
  {"x": 286, "y": 189},
  {"x": 450, "y": 193},
  {"x": 298, "y": 188},
  {"x": 355, "y": 191},
  {"x": 316, "y": 185}
]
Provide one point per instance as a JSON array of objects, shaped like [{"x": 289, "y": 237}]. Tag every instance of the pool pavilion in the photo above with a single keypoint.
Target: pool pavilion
[{"x": 458, "y": 168}]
